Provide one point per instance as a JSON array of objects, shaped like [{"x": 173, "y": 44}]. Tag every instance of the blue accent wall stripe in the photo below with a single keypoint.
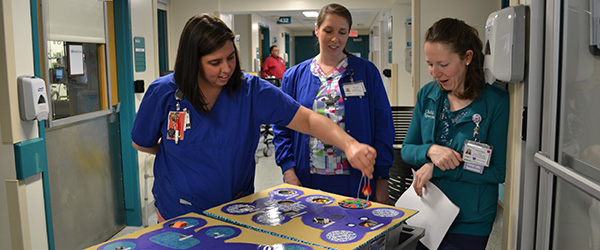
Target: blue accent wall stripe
[
  {"x": 43, "y": 164},
  {"x": 123, "y": 37}
]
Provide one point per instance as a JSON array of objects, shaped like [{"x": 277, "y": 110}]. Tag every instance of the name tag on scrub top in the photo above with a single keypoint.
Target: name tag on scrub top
[
  {"x": 178, "y": 123},
  {"x": 476, "y": 156},
  {"x": 355, "y": 89}
]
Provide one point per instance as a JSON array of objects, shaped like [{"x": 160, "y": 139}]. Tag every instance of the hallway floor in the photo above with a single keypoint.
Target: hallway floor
[{"x": 268, "y": 175}]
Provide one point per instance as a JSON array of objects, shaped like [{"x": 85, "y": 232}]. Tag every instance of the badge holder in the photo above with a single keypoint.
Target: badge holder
[
  {"x": 354, "y": 88},
  {"x": 476, "y": 155},
  {"x": 179, "y": 121}
]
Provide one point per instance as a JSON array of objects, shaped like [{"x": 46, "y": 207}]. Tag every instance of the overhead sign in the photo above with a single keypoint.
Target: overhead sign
[
  {"x": 284, "y": 20},
  {"x": 353, "y": 33}
]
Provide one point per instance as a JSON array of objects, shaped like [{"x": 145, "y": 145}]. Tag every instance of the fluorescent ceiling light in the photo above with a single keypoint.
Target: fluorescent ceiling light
[{"x": 310, "y": 13}]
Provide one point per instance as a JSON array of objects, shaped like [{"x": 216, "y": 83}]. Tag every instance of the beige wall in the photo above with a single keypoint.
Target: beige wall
[
  {"x": 143, "y": 20},
  {"x": 7, "y": 172},
  {"x": 431, "y": 11},
  {"x": 401, "y": 12},
  {"x": 16, "y": 58},
  {"x": 180, "y": 12},
  {"x": 242, "y": 26}
]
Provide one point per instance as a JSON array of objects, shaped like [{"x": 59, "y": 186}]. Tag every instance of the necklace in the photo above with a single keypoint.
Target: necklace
[{"x": 325, "y": 66}]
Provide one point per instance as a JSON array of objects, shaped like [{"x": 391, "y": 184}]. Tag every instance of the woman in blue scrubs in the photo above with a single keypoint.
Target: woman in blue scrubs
[
  {"x": 203, "y": 123},
  {"x": 348, "y": 90}
]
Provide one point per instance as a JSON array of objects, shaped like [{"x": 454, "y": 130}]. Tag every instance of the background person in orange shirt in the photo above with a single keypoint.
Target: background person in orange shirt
[{"x": 273, "y": 65}]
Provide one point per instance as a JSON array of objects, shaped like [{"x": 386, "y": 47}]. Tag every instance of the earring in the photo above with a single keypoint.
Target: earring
[{"x": 467, "y": 64}]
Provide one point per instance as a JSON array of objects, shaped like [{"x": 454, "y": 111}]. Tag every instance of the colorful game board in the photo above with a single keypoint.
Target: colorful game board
[
  {"x": 317, "y": 218},
  {"x": 194, "y": 231}
]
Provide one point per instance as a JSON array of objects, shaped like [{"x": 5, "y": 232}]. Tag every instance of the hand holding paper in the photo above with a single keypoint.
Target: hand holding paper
[
  {"x": 421, "y": 178},
  {"x": 436, "y": 212}
]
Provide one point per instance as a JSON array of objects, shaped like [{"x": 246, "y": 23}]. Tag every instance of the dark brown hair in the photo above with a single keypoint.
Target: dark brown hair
[
  {"x": 334, "y": 8},
  {"x": 202, "y": 35},
  {"x": 461, "y": 37}
]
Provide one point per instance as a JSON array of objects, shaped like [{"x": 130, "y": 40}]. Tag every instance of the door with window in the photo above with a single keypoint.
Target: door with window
[
  {"x": 83, "y": 137},
  {"x": 569, "y": 187}
]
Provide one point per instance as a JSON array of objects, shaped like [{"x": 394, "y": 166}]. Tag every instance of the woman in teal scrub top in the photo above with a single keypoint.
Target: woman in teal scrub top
[
  {"x": 203, "y": 123},
  {"x": 458, "y": 133}
]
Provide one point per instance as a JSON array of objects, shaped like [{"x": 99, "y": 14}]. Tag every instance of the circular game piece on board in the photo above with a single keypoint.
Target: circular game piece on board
[
  {"x": 319, "y": 199},
  {"x": 354, "y": 203},
  {"x": 286, "y": 192},
  {"x": 337, "y": 217}
]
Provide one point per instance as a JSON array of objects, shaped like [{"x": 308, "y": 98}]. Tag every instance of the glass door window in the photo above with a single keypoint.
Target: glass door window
[
  {"x": 77, "y": 65},
  {"x": 576, "y": 214},
  {"x": 77, "y": 81}
]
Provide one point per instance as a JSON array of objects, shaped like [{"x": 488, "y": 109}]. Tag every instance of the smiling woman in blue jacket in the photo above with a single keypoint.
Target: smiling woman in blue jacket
[
  {"x": 458, "y": 133},
  {"x": 349, "y": 91}
]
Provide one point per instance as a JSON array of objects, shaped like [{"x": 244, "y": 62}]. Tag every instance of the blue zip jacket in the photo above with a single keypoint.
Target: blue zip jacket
[
  {"x": 368, "y": 119},
  {"x": 475, "y": 194}
]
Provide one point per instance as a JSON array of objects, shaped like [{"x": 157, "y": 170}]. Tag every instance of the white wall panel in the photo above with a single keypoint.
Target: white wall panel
[
  {"x": 76, "y": 21},
  {"x": 433, "y": 10}
]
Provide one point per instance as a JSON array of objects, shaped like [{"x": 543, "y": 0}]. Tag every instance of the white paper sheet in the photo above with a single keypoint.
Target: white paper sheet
[{"x": 436, "y": 213}]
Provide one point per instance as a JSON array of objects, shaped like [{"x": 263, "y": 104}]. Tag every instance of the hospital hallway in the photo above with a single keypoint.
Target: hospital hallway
[{"x": 74, "y": 74}]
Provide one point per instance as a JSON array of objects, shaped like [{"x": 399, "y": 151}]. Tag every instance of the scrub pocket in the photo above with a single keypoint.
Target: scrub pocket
[{"x": 172, "y": 203}]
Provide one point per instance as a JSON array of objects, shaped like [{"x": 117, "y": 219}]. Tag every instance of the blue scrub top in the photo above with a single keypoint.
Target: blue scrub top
[{"x": 214, "y": 162}]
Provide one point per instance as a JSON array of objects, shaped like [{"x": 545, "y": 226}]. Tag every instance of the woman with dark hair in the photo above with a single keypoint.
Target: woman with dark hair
[
  {"x": 203, "y": 123},
  {"x": 455, "y": 114},
  {"x": 349, "y": 91}
]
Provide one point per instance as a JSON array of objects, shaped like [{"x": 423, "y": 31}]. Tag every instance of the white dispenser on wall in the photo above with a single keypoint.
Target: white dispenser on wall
[
  {"x": 33, "y": 99},
  {"x": 504, "y": 45}
]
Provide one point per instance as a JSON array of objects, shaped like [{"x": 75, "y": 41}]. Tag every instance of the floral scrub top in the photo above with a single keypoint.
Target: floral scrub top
[{"x": 328, "y": 159}]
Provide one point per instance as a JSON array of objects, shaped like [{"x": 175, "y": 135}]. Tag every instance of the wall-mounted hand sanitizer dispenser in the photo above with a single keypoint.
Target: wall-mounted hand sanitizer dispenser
[
  {"x": 33, "y": 100},
  {"x": 504, "y": 46}
]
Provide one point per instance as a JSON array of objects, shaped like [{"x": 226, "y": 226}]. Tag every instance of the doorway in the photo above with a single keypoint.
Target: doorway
[{"x": 264, "y": 43}]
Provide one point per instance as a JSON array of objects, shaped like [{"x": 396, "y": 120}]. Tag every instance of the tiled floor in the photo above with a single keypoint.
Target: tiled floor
[{"x": 268, "y": 175}]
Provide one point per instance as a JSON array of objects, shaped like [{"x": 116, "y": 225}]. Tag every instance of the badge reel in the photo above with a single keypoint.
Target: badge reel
[
  {"x": 179, "y": 121},
  {"x": 476, "y": 155}
]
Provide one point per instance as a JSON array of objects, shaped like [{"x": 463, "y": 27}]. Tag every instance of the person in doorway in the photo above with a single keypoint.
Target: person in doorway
[
  {"x": 456, "y": 113},
  {"x": 273, "y": 65},
  {"x": 349, "y": 91},
  {"x": 203, "y": 120}
]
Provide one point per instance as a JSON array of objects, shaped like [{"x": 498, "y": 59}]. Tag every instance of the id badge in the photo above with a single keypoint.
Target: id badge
[
  {"x": 176, "y": 125},
  {"x": 355, "y": 89},
  {"x": 477, "y": 153}
]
